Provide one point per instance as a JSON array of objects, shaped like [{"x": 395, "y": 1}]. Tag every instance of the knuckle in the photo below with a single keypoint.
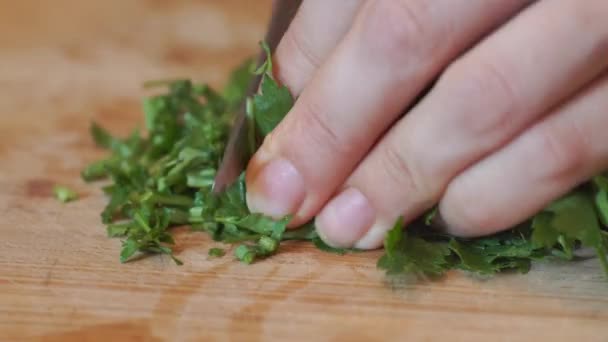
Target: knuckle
[
  {"x": 302, "y": 46},
  {"x": 404, "y": 174},
  {"x": 399, "y": 29},
  {"x": 589, "y": 17},
  {"x": 322, "y": 133},
  {"x": 492, "y": 92},
  {"x": 564, "y": 151},
  {"x": 466, "y": 216},
  {"x": 473, "y": 221}
]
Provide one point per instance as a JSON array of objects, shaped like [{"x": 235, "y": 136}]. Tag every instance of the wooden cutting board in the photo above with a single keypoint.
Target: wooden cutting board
[{"x": 66, "y": 62}]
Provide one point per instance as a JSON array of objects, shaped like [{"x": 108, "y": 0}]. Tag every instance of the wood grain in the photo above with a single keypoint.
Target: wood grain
[{"x": 65, "y": 62}]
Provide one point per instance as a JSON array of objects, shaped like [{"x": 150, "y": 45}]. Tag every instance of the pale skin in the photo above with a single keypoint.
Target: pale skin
[{"x": 518, "y": 115}]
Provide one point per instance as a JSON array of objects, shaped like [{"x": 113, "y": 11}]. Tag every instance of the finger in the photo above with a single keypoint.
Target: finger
[
  {"x": 394, "y": 49},
  {"x": 482, "y": 100},
  {"x": 545, "y": 162},
  {"x": 316, "y": 30}
]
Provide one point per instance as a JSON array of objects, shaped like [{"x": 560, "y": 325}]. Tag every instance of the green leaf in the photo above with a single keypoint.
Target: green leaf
[
  {"x": 601, "y": 182},
  {"x": 267, "y": 245},
  {"x": 405, "y": 254},
  {"x": 259, "y": 224},
  {"x": 601, "y": 204},
  {"x": 567, "y": 247},
  {"x": 304, "y": 233},
  {"x": 320, "y": 244},
  {"x": 118, "y": 229},
  {"x": 273, "y": 102},
  {"x": 266, "y": 67},
  {"x": 129, "y": 247},
  {"x": 119, "y": 199},
  {"x": 544, "y": 234},
  {"x": 177, "y": 261},
  {"x": 95, "y": 171},
  {"x": 201, "y": 178},
  {"x": 602, "y": 252},
  {"x": 216, "y": 252},
  {"x": 430, "y": 216},
  {"x": 574, "y": 216},
  {"x": 271, "y": 106},
  {"x": 473, "y": 260},
  {"x": 394, "y": 238},
  {"x": 64, "y": 194},
  {"x": 236, "y": 88},
  {"x": 165, "y": 250},
  {"x": 244, "y": 254},
  {"x": 103, "y": 138}
]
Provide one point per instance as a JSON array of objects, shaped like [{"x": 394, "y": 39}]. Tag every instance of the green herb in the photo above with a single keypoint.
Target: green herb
[
  {"x": 245, "y": 254},
  {"x": 570, "y": 220},
  {"x": 164, "y": 179},
  {"x": 64, "y": 194},
  {"x": 555, "y": 232},
  {"x": 407, "y": 254},
  {"x": 270, "y": 106},
  {"x": 216, "y": 252}
]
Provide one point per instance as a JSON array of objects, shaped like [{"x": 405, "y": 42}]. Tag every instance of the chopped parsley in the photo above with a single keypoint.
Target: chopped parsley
[
  {"x": 216, "y": 252},
  {"x": 64, "y": 194}
]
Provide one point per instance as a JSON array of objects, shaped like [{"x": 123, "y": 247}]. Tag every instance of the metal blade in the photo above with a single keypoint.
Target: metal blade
[{"x": 235, "y": 155}]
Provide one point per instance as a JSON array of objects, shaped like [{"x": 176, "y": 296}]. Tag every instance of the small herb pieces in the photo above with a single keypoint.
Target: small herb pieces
[
  {"x": 245, "y": 254},
  {"x": 164, "y": 179},
  {"x": 216, "y": 252},
  {"x": 64, "y": 194}
]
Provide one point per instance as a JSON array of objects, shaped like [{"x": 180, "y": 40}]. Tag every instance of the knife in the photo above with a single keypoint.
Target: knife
[{"x": 235, "y": 155}]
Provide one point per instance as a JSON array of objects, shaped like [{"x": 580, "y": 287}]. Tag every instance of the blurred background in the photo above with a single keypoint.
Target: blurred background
[
  {"x": 138, "y": 37},
  {"x": 64, "y": 63},
  {"x": 75, "y": 55}
]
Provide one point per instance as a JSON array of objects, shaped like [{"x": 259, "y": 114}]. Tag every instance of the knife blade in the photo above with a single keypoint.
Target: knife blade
[{"x": 235, "y": 154}]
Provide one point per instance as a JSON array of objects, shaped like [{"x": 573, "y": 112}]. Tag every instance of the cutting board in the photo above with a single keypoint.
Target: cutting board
[{"x": 66, "y": 62}]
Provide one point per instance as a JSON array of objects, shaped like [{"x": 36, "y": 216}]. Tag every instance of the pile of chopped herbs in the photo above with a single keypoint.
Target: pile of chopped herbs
[{"x": 164, "y": 179}]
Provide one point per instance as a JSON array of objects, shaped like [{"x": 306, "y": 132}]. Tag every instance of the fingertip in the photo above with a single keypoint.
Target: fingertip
[
  {"x": 462, "y": 217},
  {"x": 374, "y": 238},
  {"x": 345, "y": 219},
  {"x": 275, "y": 188}
]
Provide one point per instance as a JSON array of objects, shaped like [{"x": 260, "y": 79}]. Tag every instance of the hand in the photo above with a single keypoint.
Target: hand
[{"x": 518, "y": 115}]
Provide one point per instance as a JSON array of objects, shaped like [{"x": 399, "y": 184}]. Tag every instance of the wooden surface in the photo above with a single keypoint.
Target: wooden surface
[{"x": 64, "y": 62}]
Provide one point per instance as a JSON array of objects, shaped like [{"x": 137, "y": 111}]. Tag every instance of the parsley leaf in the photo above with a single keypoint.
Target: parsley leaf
[
  {"x": 471, "y": 259},
  {"x": 270, "y": 106},
  {"x": 573, "y": 218},
  {"x": 216, "y": 252},
  {"x": 405, "y": 254},
  {"x": 64, "y": 194}
]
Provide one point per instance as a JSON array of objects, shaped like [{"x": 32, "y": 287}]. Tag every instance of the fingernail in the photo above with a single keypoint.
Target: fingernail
[
  {"x": 276, "y": 190},
  {"x": 373, "y": 238},
  {"x": 345, "y": 218}
]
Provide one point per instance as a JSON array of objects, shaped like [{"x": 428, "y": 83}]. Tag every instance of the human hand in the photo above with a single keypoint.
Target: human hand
[{"x": 517, "y": 117}]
